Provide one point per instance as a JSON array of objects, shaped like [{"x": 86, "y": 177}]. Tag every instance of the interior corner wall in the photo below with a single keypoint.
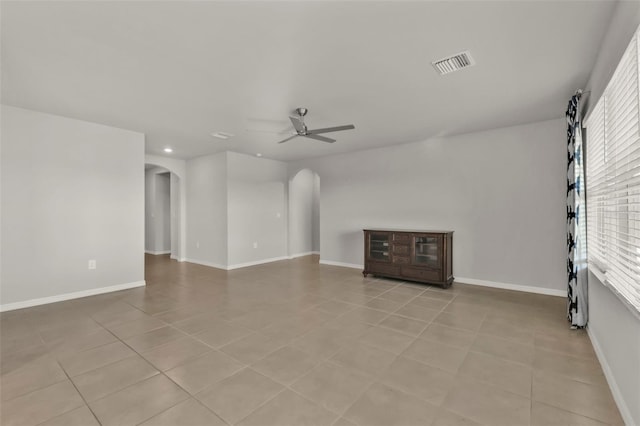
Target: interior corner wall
[
  {"x": 301, "y": 212},
  {"x": 206, "y": 200},
  {"x": 613, "y": 328},
  {"x": 315, "y": 225},
  {"x": 257, "y": 211},
  {"x": 71, "y": 191},
  {"x": 502, "y": 191},
  {"x": 163, "y": 213}
]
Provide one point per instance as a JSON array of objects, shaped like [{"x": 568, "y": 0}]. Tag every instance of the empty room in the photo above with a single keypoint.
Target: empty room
[{"x": 287, "y": 213}]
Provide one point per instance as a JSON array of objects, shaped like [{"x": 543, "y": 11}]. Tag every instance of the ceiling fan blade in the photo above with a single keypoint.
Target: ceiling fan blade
[
  {"x": 298, "y": 124},
  {"x": 319, "y": 138},
  {"x": 331, "y": 129},
  {"x": 288, "y": 139}
]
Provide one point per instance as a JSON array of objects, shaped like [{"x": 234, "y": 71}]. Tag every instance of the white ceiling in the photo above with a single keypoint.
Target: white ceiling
[{"x": 179, "y": 71}]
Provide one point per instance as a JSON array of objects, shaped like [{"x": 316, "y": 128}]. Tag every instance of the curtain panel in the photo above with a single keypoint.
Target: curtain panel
[{"x": 577, "y": 276}]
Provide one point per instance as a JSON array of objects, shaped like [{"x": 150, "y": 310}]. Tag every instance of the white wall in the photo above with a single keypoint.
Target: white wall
[
  {"x": 71, "y": 191},
  {"x": 257, "y": 209},
  {"x": 315, "y": 221},
  {"x": 301, "y": 212},
  {"x": 613, "y": 328},
  {"x": 501, "y": 191},
  {"x": 163, "y": 213},
  {"x": 207, "y": 210}
]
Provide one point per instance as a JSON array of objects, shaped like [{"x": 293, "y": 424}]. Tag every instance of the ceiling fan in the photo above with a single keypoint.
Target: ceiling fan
[{"x": 301, "y": 128}]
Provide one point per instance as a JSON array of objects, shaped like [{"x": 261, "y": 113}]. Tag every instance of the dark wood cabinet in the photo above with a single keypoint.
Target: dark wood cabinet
[{"x": 423, "y": 256}]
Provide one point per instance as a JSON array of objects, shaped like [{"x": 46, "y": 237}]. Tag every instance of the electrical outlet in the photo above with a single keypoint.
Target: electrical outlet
[
  {"x": 92, "y": 264},
  {"x": 197, "y": 244},
  {"x": 255, "y": 245}
]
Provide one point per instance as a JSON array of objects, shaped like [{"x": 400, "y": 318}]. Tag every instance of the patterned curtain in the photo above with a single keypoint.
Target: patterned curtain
[{"x": 576, "y": 218}]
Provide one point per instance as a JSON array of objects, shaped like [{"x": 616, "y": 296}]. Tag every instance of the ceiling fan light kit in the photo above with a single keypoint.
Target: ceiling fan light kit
[{"x": 302, "y": 130}]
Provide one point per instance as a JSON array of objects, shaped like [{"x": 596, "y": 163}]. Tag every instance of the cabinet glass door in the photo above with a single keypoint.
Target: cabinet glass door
[
  {"x": 379, "y": 247},
  {"x": 426, "y": 251}
]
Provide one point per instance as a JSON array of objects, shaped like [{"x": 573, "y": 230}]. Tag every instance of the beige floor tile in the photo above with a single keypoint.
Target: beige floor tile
[
  {"x": 138, "y": 403},
  {"x": 222, "y": 333},
  {"x": 198, "y": 323},
  {"x": 102, "y": 381},
  {"x": 386, "y": 339},
  {"x": 186, "y": 413},
  {"x": 13, "y": 360},
  {"x": 324, "y": 342},
  {"x": 503, "y": 348},
  {"x": 175, "y": 353},
  {"x": 451, "y": 336},
  {"x": 135, "y": 327},
  {"x": 463, "y": 321},
  {"x": 364, "y": 315},
  {"x": 365, "y": 358},
  {"x": 546, "y": 415},
  {"x": 439, "y": 355},
  {"x": 253, "y": 347},
  {"x": 38, "y": 374},
  {"x": 343, "y": 422},
  {"x": 151, "y": 339},
  {"x": 40, "y": 405},
  {"x": 449, "y": 418},
  {"x": 383, "y": 304},
  {"x": 204, "y": 371},
  {"x": 382, "y": 405},
  {"x": 73, "y": 345},
  {"x": 417, "y": 312},
  {"x": 429, "y": 303},
  {"x": 510, "y": 330},
  {"x": 588, "y": 400},
  {"x": 237, "y": 396},
  {"x": 335, "y": 307},
  {"x": 82, "y": 362},
  {"x": 289, "y": 408},
  {"x": 581, "y": 369},
  {"x": 403, "y": 324},
  {"x": 421, "y": 380},
  {"x": 506, "y": 375},
  {"x": 487, "y": 404},
  {"x": 397, "y": 296},
  {"x": 79, "y": 417},
  {"x": 285, "y": 365},
  {"x": 332, "y": 386},
  {"x": 282, "y": 300}
]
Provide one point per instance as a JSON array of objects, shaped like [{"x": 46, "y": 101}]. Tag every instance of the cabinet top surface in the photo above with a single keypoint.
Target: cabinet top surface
[{"x": 415, "y": 231}]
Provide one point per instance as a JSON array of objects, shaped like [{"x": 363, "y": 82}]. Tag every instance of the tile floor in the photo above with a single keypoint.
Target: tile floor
[{"x": 298, "y": 343}]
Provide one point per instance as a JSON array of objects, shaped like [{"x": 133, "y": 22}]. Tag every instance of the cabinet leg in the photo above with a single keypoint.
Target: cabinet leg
[{"x": 364, "y": 273}]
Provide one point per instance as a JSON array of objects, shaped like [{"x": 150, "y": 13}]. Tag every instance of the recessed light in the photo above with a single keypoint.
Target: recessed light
[
  {"x": 258, "y": 155},
  {"x": 222, "y": 135},
  {"x": 168, "y": 150}
]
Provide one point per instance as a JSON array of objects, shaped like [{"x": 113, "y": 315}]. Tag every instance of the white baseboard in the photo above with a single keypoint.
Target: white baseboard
[
  {"x": 156, "y": 253},
  {"x": 509, "y": 286},
  {"x": 204, "y": 263},
  {"x": 611, "y": 381},
  {"x": 345, "y": 265},
  {"x": 69, "y": 296},
  {"x": 308, "y": 253},
  {"x": 256, "y": 262}
]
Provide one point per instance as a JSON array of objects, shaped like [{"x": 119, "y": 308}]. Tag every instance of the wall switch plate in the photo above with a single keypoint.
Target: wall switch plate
[
  {"x": 92, "y": 264},
  {"x": 255, "y": 245},
  {"x": 278, "y": 215},
  {"x": 197, "y": 244}
]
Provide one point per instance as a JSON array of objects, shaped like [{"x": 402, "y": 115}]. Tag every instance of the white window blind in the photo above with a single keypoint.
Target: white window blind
[{"x": 613, "y": 180}]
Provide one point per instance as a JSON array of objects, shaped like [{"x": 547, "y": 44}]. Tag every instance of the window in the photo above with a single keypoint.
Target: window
[{"x": 613, "y": 180}]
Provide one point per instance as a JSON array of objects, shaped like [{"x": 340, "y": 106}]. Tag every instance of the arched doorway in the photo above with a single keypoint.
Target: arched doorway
[{"x": 304, "y": 214}]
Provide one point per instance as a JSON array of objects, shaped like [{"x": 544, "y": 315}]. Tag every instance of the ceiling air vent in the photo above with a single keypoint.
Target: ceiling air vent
[{"x": 453, "y": 63}]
